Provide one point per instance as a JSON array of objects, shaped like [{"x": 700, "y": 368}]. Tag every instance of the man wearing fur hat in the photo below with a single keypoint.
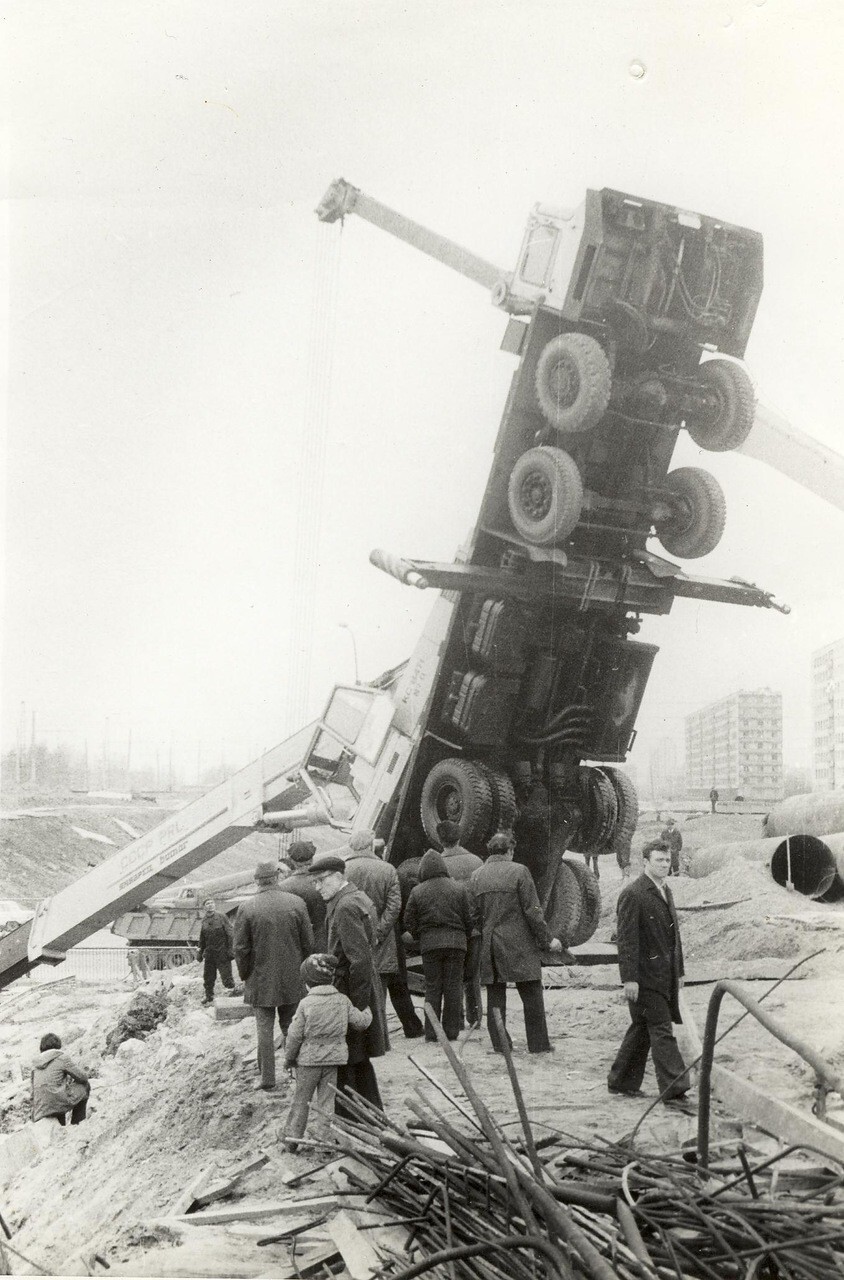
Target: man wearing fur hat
[
  {"x": 272, "y": 936},
  {"x": 351, "y": 940}
]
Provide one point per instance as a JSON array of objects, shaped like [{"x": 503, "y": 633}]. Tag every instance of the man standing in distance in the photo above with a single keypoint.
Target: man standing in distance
[
  {"x": 673, "y": 841},
  {"x": 650, "y": 960},
  {"x": 514, "y": 934},
  {"x": 380, "y": 882},
  {"x": 351, "y": 939},
  {"x": 272, "y": 936},
  {"x": 461, "y": 865},
  {"x": 216, "y": 943},
  {"x": 301, "y": 853}
]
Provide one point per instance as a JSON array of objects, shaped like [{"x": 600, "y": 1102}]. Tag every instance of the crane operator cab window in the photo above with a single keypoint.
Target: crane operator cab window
[
  {"x": 340, "y": 765},
  {"x": 540, "y": 244}
]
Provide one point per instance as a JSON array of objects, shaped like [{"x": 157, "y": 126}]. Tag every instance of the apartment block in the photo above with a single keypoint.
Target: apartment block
[
  {"x": 735, "y": 745},
  {"x": 828, "y": 716}
]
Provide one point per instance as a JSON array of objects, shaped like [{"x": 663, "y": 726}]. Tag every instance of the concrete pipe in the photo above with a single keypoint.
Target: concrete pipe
[
  {"x": 817, "y": 865},
  {"x": 807, "y": 862},
  {"x": 815, "y": 814}
]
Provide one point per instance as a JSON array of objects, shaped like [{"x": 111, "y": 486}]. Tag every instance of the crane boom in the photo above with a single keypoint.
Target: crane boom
[
  {"x": 191, "y": 836},
  {"x": 342, "y": 198},
  {"x": 776, "y": 442}
]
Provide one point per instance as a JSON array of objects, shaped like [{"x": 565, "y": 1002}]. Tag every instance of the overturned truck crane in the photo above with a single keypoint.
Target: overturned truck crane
[
  {"x": 628, "y": 320},
  {"x": 521, "y": 698}
]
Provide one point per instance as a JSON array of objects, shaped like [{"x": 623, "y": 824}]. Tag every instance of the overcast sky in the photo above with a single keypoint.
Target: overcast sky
[{"x": 218, "y": 406}]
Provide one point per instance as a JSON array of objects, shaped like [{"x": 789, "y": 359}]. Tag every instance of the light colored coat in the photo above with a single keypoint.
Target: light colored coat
[
  {"x": 57, "y": 1084},
  {"x": 380, "y": 882},
  {"x": 317, "y": 1035}
]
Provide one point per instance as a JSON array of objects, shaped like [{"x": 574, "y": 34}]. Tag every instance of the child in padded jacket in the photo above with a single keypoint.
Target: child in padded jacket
[{"x": 316, "y": 1044}]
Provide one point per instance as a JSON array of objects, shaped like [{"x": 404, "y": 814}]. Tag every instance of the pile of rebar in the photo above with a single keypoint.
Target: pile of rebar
[{"x": 482, "y": 1200}]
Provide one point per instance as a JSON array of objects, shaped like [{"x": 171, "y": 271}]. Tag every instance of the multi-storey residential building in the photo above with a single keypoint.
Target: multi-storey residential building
[
  {"x": 828, "y": 716},
  {"x": 735, "y": 745}
]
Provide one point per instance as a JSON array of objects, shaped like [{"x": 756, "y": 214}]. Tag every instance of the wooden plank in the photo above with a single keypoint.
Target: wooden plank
[
  {"x": 752, "y": 1105},
  {"x": 183, "y": 1202},
  {"x": 218, "y": 1190},
  {"x": 359, "y": 1256},
  {"x": 249, "y": 1212}
]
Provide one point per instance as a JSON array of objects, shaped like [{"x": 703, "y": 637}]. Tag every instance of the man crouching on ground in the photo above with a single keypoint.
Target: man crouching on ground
[{"x": 650, "y": 960}]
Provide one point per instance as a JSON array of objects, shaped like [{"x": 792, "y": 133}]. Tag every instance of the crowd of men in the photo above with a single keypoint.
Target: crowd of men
[{"x": 337, "y": 926}]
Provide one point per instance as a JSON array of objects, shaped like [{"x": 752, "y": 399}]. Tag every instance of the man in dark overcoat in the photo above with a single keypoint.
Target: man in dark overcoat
[
  {"x": 650, "y": 960},
  {"x": 461, "y": 865},
  {"x": 216, "y": 949},
  {"x": 514, "y": 934},
  {"x": 351, "y": 940},
  {"x": 272, "y": 936},
  {"x": 380, "y": 882},
  {"x": 301, "y": 853}
]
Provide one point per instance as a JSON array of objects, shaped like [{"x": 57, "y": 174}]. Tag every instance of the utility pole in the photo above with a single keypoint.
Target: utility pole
[
  {"x": 19, "y": 745},
  {"x": 32, "y": 749}
]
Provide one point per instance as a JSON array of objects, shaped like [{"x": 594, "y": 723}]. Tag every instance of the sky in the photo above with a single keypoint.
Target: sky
[{"x": 218, "y": 406}]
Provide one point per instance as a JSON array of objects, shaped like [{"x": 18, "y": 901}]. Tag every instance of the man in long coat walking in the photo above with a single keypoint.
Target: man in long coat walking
[
  {"x": 351, "y": 940},
  {"x": 514, "y": 934},
  {"x": 650, "y": 961},
  {"x": 272, "y": 936}
]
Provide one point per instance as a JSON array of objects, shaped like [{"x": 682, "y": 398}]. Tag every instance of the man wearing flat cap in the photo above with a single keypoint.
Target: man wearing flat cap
[
  {"x": 351, "y": 940},
  {"x": 272, "y": 936},
  {"x": 301, "y": 853}
]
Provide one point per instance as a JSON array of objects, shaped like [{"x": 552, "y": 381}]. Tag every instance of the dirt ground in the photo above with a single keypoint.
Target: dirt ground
[{"x": 164, "y": 1108}]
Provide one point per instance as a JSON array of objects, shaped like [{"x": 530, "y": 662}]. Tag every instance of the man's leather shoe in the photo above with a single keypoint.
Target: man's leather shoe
[
  {"x": 627, "y": 1093},
  {"x": 681, "y": 1103}
]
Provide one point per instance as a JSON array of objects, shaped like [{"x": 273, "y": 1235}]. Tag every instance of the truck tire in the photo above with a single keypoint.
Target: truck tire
[
  {"x": 628, "y": 815},
  {"x": 573, "y": 382},
  {"x": 545, "y": 495},
  {"x": 177, "y": 957},
  {"x": 457, "y": 790},
  {"x": 698, "y": 516},
  {"x": 599, "y": 810},
  {"x": 563, "y": 904},
  {"x": 503, "y": 799},
  {"x": 727, "y": 420},
  {"x": 590, "y": 901}
]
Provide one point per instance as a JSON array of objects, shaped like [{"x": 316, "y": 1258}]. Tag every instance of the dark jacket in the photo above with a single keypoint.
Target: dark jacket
[
  {"x": 216, "y": 937},
  {"x": 672, "y": 839},
  {"x": 351, "y": 938},
  {"x": 57, "y": 1084},
  {"x": 440, "y": 911},
  {"x": 649, "y": 948},
  {"x": 514, "y": 932},
  {"x": 272, "y": 936},
  {"x": 380, "y": 882},
  {"x": 303, "y": 886}
]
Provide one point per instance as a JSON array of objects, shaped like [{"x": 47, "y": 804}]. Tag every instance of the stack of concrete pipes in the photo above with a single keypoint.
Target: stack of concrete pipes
[{"x": 803, "y": 843}]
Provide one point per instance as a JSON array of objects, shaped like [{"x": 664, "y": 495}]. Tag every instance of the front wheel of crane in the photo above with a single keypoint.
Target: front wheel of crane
[
  {"x": 727, "y": 407},
  {"x": 457, "y": 790},
  {"x": 698, "y": 513},
  {"x": 545, "y": 495},
  {"x": 573, "y": 382}
]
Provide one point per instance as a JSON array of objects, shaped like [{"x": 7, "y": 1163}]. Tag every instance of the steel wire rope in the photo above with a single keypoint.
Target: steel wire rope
[{"x": 310, "y": 481}]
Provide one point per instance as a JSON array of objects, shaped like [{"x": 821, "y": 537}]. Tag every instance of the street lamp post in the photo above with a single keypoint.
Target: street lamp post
[{"x": 344, "y": 626}]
